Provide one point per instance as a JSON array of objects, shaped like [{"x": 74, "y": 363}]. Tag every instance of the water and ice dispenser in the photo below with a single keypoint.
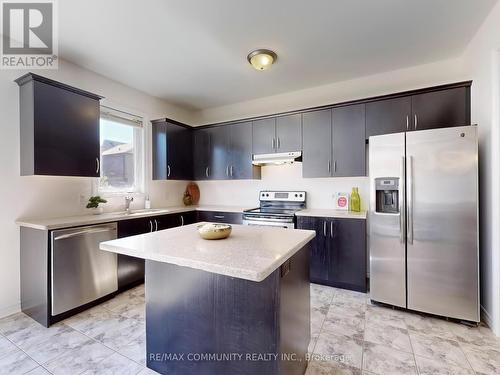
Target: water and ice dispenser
[{"x": 387, "y": 195}]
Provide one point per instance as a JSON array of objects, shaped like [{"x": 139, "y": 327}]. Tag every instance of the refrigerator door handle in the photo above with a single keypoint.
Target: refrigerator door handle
[
  {"x": 401, "y": 200},
  {"x": 409, "y": 179}
]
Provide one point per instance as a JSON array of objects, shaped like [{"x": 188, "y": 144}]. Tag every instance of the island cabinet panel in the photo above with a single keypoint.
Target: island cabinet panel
[
  {"x": 201, "y": 154},
  {"x": 220, "y": 217},
  {"x": 349, "y": 141},
  {"x": 216, "y": 314},
  {"x": 59, "y": 129},
  {"x": 317, "y": 144},
  {"x": 338, "y": 252},
  {"x": 172, "y": 147},
  {"x": 264, "y": 136}
]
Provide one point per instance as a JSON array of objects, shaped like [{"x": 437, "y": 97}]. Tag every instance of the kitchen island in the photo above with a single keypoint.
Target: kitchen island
[{"x": 234, "y": 306}]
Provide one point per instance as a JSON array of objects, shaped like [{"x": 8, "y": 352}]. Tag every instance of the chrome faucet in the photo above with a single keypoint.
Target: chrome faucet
[{"x": 128, "y": 200}]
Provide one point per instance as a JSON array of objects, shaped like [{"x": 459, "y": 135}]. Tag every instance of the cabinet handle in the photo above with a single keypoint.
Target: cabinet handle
[
  {"x": 331, "y": 229},
  {"x": 278, "y": 142},
  {"x": 168, "y": 170},
  {"x": 335, "y": 165},
  {"x": 156, "y": 226},
  {"x": 273, "y": 143},
  {"x": 182, "y": 220},
  {"x": 206, "y": 171},
  {"x": 329, "y": 166},
  {"x": 97, "y": 165},
  {"x": 407, "y": 122},
  {"x": 416, "y": 121},
  {"x": 150, "y": 226},
  {"x": 231, "y": 170},
  {"x": 324, "y": 228},
  {"x": 219, "y": 216},
  {"x": 227, "y": 170}
]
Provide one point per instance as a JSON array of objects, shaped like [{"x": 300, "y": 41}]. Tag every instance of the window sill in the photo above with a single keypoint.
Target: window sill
[{"x": 117, "y": 194}]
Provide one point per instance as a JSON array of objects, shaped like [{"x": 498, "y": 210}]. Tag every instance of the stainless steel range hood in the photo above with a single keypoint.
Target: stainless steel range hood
[{"x": 278, "y": 158}]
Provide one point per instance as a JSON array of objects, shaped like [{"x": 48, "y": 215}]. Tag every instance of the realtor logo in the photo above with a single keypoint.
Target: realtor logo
[{"x": 29, "y": 35}]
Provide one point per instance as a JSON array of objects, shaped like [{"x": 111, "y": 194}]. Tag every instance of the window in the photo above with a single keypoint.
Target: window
[{"x": 121, "y": 152}]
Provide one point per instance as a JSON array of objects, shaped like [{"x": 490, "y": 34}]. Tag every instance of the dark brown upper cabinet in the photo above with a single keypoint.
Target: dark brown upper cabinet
[
  {"x": 289, "y": 133},
  {"x": 348, "y": 124},
  {"x": 224, "y": 153},
  {"x": 219, "y": 153},
  {"x": 201, "y": 154},
  {"x": 388, "y": 116},
  {"x": 59, "y": 128},
  {"x": 277, "y": 134},
  {"x": 172, "y": 151},
  {"x": 264, "y": 136},
  {"x": 439, "y": 107},
  {"x": 240, "y": 152},
  {"x": 334, "y": 142},
  {"x": 317, "y": 143}
]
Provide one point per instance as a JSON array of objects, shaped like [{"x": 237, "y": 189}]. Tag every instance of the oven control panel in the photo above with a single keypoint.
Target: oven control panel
[{"x": 283, "y": 196}]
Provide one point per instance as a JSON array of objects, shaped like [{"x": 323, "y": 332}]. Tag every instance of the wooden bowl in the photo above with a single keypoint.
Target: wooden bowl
[{"x": 212, "y": 231}]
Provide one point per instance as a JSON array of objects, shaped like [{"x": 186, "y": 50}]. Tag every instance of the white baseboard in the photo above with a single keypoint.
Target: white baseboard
[{"x": 9, "y": 310}]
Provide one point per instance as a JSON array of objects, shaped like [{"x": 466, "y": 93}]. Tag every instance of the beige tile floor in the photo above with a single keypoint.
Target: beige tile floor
[
  {"x": 352, "y": 336},
  {"x": 349, "y": 336}
]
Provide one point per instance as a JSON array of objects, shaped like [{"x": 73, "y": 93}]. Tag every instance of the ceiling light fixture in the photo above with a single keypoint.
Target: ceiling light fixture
[{"x": 262, "y": 59}]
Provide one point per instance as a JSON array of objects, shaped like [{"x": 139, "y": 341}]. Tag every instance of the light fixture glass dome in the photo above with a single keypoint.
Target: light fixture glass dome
[{"x": 262, "y": 59}]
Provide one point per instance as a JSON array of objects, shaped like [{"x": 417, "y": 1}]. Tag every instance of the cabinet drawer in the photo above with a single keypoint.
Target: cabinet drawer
[{"x": 221, "y": 217}]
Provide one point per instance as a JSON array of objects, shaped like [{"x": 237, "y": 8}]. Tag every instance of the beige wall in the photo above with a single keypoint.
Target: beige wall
[
  {"x": 36, "y": 196},
  {"x": 481, "y": 62},
  {"x": 378, "y": 84}
]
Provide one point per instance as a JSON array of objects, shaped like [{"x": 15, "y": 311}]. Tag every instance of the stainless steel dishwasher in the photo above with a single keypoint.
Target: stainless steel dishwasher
[{"x": 81, "y": 273}]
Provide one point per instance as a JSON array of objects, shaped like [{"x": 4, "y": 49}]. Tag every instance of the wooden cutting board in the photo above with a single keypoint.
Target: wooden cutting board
[{"x": 194, "y": 191}]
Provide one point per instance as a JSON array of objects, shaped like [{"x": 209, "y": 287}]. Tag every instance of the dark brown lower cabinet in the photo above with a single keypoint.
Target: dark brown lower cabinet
[
  {"x": 220, "y": 217},
  {"x": 338, "y": 252},
  {"x": 131, "y": 269}
]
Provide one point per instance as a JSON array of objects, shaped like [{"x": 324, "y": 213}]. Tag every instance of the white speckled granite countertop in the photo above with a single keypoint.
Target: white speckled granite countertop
[
  {"x": 74, "y": 221},
  {"x": 250, "y": 253},
  {"x": 339, "y": 214}
]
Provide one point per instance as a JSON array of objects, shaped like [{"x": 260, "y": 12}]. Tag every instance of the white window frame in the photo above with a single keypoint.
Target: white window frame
[{"x": 139, "y": 151}]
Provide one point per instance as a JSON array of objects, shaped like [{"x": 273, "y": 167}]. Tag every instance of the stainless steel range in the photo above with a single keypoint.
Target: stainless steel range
[{"x": 277, "y": 209}]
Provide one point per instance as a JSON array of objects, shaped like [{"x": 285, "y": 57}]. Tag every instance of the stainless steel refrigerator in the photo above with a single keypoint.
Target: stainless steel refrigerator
[{"x": 424, "y": 221}]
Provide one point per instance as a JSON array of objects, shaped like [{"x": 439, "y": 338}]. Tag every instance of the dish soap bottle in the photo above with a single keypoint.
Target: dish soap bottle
[{"x": 355, "y": 200}]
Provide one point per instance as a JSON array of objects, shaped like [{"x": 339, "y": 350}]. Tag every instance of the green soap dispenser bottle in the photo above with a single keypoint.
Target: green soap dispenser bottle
[{"x": 355, "y": 200}]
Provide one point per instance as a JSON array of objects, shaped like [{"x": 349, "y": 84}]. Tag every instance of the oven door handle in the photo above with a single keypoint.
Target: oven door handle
[{"x": 278, "y": 224}]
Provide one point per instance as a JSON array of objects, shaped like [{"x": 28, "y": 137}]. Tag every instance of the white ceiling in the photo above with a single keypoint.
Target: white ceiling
[{"x": 193, "y": 52}]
